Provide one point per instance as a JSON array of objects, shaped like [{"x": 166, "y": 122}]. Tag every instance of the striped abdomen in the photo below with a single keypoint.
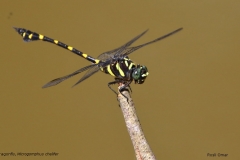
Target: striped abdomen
[{"x": 32, "y": 36}]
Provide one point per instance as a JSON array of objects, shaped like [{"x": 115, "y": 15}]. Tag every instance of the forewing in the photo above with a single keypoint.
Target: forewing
[
  {"x": 59, "y": 80},
  {"x": 118, "y": 51},
  {"x": 129, "y": 43},
  {"x": 132, "y": 49}
]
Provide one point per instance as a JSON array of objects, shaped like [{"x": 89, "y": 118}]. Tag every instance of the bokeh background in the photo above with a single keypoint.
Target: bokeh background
[{"x": 189, "y": 105}]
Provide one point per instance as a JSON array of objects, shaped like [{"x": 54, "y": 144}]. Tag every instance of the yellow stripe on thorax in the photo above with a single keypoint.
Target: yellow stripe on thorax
[
  {"x": 130, "y": 66},
  {"x": 120, "y": 70},
  {"x": 126, "y": 63},
  {"x": 110, "y": 71}
]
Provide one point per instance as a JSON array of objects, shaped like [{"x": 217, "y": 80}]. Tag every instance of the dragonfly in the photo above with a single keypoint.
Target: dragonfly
[{"x": 115, "y": 62}]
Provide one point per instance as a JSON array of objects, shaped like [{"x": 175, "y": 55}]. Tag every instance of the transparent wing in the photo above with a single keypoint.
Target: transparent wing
[
  {"x": 121, "y": 49},
  {"x": 132, "y": 49},
  {"x": 127, "y": 51},
  {"x": 89, "y": 73},
  {"x": 59, "y": 80},
  {"x": 118, "y": 51}
]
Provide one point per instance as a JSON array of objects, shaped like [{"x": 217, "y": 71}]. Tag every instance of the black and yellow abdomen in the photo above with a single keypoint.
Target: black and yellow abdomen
[{"x": 32, "y": 36}]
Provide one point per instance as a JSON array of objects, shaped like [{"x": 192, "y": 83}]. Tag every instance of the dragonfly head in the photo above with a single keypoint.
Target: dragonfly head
[{"x": 139, "y": 74}]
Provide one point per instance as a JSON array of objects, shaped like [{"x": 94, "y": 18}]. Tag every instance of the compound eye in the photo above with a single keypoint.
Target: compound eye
[{"x": 136, "y": 74}]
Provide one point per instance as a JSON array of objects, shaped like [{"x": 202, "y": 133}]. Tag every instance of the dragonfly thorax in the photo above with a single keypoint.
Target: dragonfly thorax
[{"x": 140, "y": 74}]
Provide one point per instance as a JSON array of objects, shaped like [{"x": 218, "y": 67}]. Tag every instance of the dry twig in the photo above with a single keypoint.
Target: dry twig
[{"x": 141, "y": 147}]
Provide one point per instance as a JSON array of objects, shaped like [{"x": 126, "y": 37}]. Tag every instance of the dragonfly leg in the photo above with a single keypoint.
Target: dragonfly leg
[
  {"x": 111, "y": 83},
  {"x": 124, "y": 87},
  {"x": 130, "y": 88},
  {"x": 120, "y": 91}
]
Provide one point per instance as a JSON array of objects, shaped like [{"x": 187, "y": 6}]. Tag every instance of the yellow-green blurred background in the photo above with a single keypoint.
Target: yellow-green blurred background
[{"x": 189, "y": 105}]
